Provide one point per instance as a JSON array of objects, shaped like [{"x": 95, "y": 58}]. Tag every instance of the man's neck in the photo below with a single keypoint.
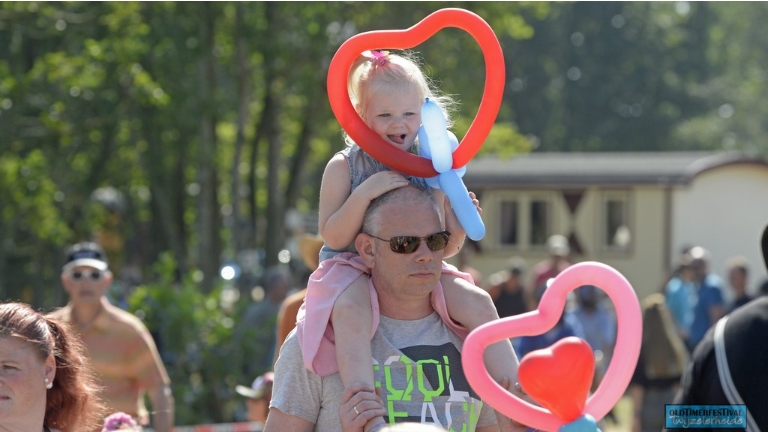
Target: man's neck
[
  {"x": 85, "y": 314},
  {"x": 406, "y": 309}
]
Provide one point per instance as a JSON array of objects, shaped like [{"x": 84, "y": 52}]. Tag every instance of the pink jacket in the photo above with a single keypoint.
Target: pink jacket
[{"x": 332, "y": 277}]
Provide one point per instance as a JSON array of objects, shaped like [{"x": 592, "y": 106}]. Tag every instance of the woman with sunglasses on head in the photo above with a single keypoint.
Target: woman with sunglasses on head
[
  {"x": 121, "y": 349},
  {"x": 388, "y": 91},
  {"x": 45, "y": 381}
]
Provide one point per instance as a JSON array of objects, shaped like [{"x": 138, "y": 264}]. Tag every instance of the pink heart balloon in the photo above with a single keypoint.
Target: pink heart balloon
[{"x": 619, "y": 373}]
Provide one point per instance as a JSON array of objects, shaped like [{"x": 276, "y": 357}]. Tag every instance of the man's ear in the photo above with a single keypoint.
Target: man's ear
[{"x": 366, "y": 247}]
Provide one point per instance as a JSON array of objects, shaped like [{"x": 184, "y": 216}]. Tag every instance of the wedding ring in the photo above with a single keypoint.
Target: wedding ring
[{"x": 355, "y": 409}]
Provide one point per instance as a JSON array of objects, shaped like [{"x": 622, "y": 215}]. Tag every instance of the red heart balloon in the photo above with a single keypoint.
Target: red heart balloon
[
  {"x": 559, "y": 377},
  {"x": 387, "y": 154}
]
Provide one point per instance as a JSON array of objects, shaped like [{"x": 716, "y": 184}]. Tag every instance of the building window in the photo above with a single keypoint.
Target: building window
[
  {"x": 617, "y": 234},
  {"x": 540, "y": 222},
  {"x": 509, "y": 220}
]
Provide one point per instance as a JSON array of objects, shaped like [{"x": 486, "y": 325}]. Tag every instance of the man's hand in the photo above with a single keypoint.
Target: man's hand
[{"x": 359, "y": 404}]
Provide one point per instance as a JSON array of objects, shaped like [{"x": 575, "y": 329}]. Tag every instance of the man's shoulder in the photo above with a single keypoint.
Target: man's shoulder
[
  {"x": 123, "y": 320},
  {"x": 290, "y": 350},
  {"x": 62, "y": 314}
]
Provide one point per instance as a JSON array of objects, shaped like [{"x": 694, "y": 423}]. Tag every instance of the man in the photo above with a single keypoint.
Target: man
[
  {"x": 738, "y": 273},
  {"x": 258, "y": 396},
  {"x": 259, "y": 321},
  {"x": 728, "y": 366},
  {"x": 120, "y": 347},
  {"x": 507, "y": 289},
  {"x": 557, "y": 261},
  {"x": 680, "y": 295},
  {"x": 709, "y": 306},
  {"x": 417, "y": 362}
]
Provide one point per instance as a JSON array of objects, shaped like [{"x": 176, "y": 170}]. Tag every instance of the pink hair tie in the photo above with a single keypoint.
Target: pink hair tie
[
  {"x": 378, "y": 57},
  {"x": 119, "y": 421}
]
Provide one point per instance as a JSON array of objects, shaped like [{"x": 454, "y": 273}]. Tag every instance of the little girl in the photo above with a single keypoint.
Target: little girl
[{"x": 388, "y": 92}]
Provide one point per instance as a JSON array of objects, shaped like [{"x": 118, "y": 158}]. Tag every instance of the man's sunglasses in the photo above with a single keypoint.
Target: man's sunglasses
[
  {"x": 79, "y": 275},
  {"x": 409, "y": 244}
]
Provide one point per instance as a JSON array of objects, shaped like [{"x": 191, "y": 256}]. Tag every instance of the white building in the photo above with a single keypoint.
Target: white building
[{"x": 632, "y": 211}]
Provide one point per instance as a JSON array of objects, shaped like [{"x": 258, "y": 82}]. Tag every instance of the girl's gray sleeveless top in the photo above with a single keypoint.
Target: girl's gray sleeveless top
[{"x": 361, "y": 166}]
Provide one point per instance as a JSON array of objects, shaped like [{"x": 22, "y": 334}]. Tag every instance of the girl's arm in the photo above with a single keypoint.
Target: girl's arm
[
  {"x": 335, "y": 194},
  {"x": 341, "y": 212},
  {"x": 452, "y": 224}
]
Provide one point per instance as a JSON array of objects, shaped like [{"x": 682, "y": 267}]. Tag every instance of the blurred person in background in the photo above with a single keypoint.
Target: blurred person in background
[
  {"x": 557, "y": 261},
  {"x": 309, "y": 249},
  {"x": 663, "y": 357},
  {"x": 680, "y": 294},
  {"x": 738, "y": 274},
  {"x": 599, "y": 326},
  {"x": 568, "y": 325},
  {"x": 709, "y": 306},
  {"x": 258, "y": 396},
  {"x": 46, "y": 383},
  {"x": 258, "y": 322},
  {"x": 120, "y": 347},
  {"x": 507, "y": 290},
  {"x": 728, "y": 366}
]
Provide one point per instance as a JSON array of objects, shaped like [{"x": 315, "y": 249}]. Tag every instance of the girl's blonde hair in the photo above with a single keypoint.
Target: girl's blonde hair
[{"x": 380, "y": 71}]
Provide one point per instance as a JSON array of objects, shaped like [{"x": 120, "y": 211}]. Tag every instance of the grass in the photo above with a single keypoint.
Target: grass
[{"x": 623, "y": 413}]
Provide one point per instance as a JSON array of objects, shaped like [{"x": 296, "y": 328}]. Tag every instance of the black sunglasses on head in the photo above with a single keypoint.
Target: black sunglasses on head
[
  {"x": 78, "y": 275},
  {"x": 409, "y": 244}
]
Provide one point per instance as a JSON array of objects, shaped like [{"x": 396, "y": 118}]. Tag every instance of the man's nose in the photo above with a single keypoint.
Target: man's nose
[{"x": 423, "y": 253}]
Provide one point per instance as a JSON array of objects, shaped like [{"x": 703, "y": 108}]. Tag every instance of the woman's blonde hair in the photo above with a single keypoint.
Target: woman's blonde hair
[
  {"x": 380, "y": 71},
  {"x": 663, "y": 349}
]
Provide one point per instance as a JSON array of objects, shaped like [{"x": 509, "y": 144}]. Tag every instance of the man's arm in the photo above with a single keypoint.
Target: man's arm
[
  {"x": 505, "y": 424},
  {"x": 716, "y": 312},
  {"x": 278, "y": 421},
  {"x": 162, "y": 406}
]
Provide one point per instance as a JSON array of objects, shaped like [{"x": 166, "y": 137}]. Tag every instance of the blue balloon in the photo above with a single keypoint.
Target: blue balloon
[
  {"x": 585, "y": 423},
  {"x": 437, "y": 144},
  {"x": 465, "y": 210},
  {"x": 433, "y": 136}
]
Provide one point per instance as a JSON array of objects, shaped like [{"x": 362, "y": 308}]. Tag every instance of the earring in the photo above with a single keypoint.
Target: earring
[{"x": 48, "y": 384}]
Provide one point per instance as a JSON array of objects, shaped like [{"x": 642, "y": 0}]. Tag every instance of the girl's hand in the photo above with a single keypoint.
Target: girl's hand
[
  {"x": 506, "y": 423},
  {"x": 359, "y": 404},
  {"x": 381, "y": 183},
  {"x": 452, "y": 223}
]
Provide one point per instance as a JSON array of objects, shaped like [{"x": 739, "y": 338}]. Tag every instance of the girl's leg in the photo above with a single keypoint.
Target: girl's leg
[
  {"x": 352, "y": 321},
  {"x": 472, "y": 307}
]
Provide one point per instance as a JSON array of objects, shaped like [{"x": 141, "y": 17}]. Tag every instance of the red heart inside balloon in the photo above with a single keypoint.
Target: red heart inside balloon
[
  {"x": 559, "y": 377},
  {"x": 372, "y": 143}
]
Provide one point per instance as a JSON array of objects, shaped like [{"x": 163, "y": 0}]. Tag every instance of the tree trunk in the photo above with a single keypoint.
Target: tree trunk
[
  {"x": 275, "y": 202},
  {"x": 208, "y": 257},
  {"x": 301, "y": 155},
  {"x": 243, "y": 92}
]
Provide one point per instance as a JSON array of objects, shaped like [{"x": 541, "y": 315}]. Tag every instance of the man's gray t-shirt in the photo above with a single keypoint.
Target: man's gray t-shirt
[{"x": 416, "y": 363}]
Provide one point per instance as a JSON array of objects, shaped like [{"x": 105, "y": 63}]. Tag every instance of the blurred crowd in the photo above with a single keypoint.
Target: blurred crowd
[
  {"x": 675, "y": 320},
  {"x": 118, "y": 354}
]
